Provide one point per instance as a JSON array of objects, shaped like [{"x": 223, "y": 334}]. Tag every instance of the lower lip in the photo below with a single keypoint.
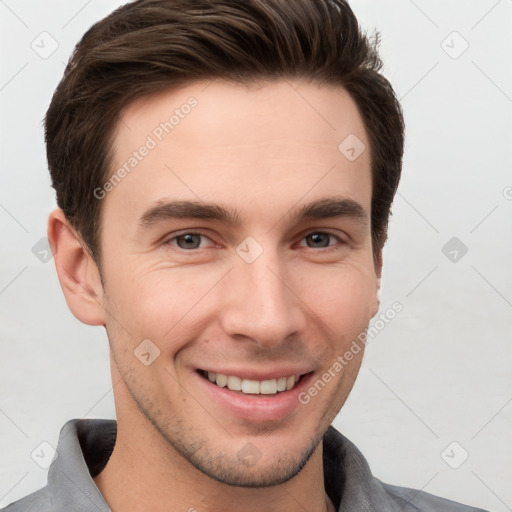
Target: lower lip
[{"x": 255, "y": 407}]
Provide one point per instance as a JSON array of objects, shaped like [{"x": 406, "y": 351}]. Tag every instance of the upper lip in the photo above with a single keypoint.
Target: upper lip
[{"x": 252, "y": 374}]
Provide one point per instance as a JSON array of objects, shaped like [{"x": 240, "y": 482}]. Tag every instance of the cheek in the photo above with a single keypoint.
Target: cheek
[
  {"x": 341, "y": 297},
  {"x": 158, "y": 304}
]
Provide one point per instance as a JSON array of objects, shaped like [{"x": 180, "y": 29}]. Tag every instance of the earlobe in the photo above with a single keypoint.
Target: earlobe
[{"x": 78, "y": 273}]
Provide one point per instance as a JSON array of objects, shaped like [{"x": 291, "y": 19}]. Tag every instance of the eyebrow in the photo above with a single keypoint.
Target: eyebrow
[
  {"x": 320, "y": 209},
  {"x": 329, "y": 208},
  {"x": 188, "y": 210}
]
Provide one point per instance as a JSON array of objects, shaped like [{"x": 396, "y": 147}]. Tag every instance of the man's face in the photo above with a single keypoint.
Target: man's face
[{"x": 239, "y": 245}]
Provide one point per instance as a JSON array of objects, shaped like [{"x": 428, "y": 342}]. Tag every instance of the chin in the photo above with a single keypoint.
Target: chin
[{"x": 249, "y": 468}]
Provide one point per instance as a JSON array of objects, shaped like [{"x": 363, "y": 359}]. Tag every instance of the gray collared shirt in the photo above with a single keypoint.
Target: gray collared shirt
[{"x": 86, "y": 445}]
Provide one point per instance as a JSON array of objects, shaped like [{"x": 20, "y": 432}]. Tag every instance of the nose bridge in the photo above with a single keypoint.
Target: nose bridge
[{"x": 259, "y": 304}]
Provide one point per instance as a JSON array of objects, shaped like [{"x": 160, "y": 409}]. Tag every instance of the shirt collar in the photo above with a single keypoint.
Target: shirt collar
[{"x": 70, "y": 484}]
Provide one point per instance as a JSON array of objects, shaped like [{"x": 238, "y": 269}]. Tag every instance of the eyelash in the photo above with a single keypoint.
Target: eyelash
[{"x": 338, "y": 239}]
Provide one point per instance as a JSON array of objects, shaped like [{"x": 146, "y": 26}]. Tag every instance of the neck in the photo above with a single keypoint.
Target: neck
[{"x": 145, "y": 473}]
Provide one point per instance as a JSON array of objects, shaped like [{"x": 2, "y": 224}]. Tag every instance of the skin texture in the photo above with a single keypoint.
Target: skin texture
[{"x": 263, "y": 152}]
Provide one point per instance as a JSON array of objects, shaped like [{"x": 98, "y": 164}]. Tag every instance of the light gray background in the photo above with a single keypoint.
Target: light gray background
[{"x": 439, "y": 372}]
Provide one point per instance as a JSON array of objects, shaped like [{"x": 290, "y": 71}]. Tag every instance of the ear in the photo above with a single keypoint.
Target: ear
[
  {"x": 78, "y": 273},
  {"x": 374, "y": 308}
]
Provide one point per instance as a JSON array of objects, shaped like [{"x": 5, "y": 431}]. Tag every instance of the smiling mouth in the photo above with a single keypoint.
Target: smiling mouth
[{"x": 252, "y": 387}]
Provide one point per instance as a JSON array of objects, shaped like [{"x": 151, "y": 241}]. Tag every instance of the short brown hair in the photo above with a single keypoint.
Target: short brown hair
[{"x": 150, "y": 45}]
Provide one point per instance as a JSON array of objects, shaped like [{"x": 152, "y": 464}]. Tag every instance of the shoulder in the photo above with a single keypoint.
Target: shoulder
[
  {"x": 39, "y": 501},
  {"x": 419, "y": 501}
]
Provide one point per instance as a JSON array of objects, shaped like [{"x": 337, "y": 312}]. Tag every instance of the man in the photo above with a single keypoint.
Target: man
[{"x": 224, "y": 174}]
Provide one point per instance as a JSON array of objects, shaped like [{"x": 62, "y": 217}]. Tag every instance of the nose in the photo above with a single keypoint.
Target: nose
[{"x": 259, "y": 302}]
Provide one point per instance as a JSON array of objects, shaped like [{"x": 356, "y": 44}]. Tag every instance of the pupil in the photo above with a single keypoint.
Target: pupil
[
  {"x": 320, "y": 239},
  {"x": 189, "y": 241}
]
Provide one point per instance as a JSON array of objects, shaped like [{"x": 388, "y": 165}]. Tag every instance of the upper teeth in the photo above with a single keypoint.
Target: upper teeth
[{"x": 254, "y": 387}]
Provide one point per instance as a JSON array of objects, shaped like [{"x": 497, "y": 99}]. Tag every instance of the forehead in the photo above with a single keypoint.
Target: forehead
[{"x": 266, "y": 144}]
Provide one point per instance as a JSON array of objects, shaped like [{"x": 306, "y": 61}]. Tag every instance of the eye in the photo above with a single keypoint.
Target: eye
[
  {"x": 321, "y": 240},
  {"x": 189, "y": 241}
]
